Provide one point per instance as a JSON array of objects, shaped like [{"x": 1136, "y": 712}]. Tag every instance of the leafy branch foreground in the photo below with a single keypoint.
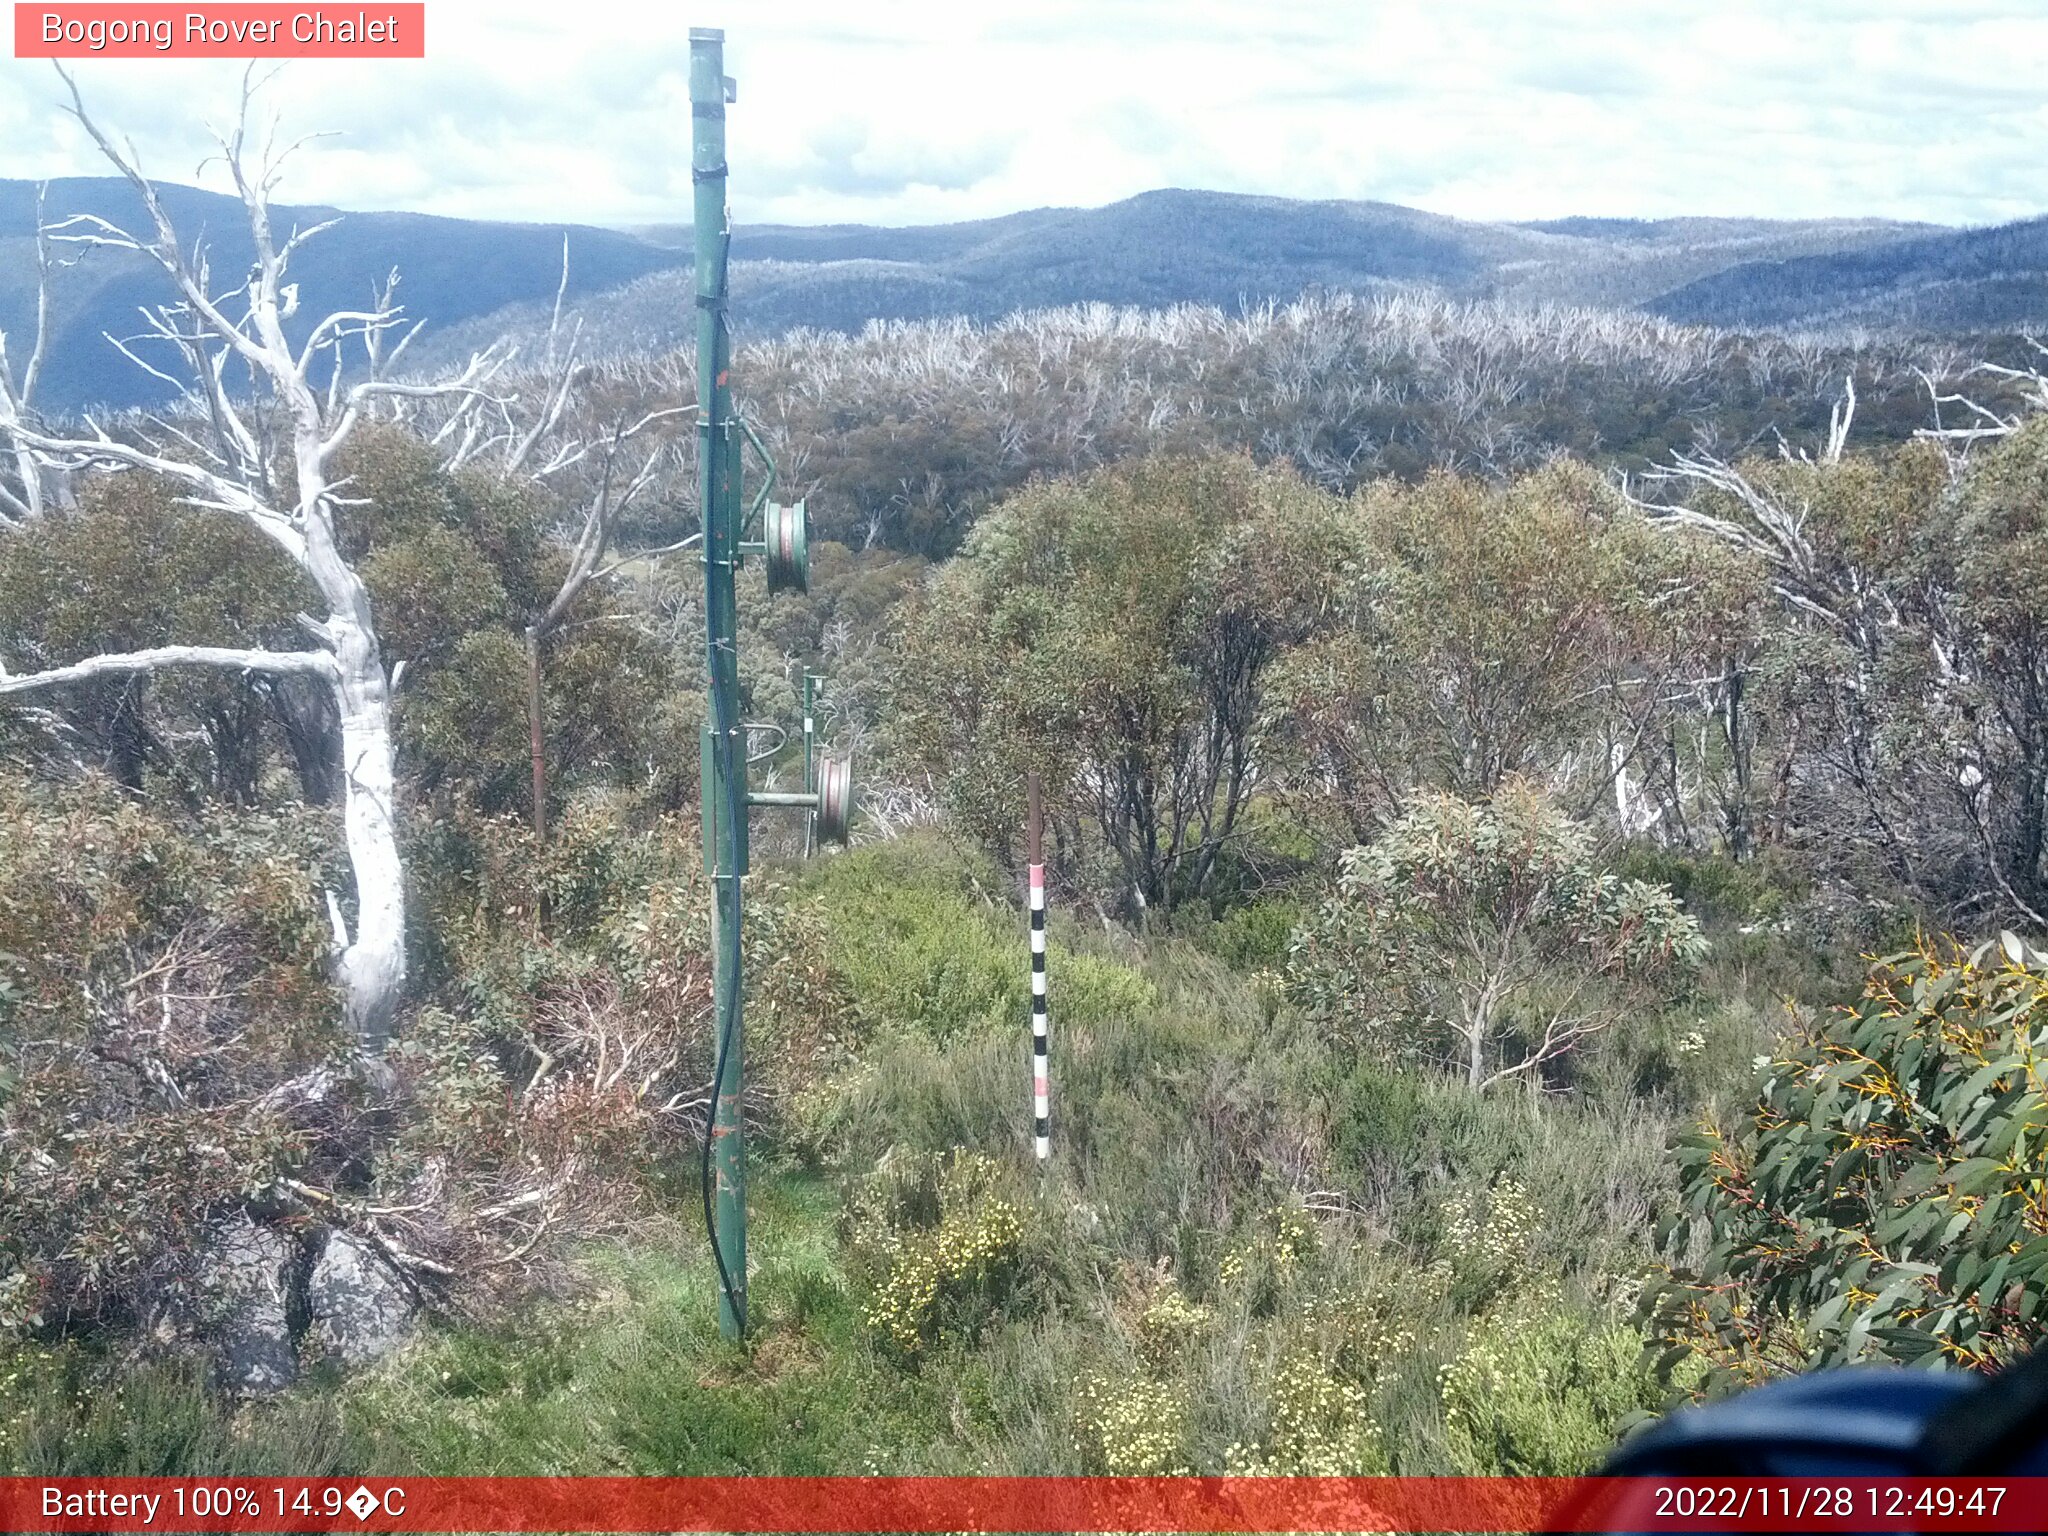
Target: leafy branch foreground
[{"x": 1886, "y": 1195}]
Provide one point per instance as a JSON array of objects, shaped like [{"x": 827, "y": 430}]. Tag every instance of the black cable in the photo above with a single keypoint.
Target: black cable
[
  {"x": 729, "y": 932},
  {"x": 728, "y": 921}
]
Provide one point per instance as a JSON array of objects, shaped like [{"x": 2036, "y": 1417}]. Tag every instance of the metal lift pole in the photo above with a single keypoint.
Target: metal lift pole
[{"x": 724, "y": 762}]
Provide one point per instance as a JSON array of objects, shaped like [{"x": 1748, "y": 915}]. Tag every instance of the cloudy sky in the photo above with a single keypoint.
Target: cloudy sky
[{"x": 914, "y": 111}]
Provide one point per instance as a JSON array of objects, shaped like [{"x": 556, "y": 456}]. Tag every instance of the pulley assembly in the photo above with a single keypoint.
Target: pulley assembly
[
  {"x": 786, "y": 542},
  {"x": 835, "y": 799}
]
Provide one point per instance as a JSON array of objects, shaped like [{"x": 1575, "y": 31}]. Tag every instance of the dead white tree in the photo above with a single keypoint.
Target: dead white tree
[
  {"x": 1764, "y": 526},
  {"x": 24, "y": 500},
  {"x": 1829, "y": 589},
  {"x": 219, "y": 450},
  {"x": 2029, "y": 385}
]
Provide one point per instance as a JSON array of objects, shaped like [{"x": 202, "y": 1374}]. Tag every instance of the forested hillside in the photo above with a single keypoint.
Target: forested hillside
[
  {"x": 473, "y": 282},
  {"x": 1971, "y": 280},
  {"x": 1547, "y": 831}
]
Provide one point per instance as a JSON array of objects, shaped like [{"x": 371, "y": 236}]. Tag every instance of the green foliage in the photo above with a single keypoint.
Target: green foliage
[
  {"x": 431, "y": 590},
  {"x": 1540, "y": 1390},
  {"x": 1350, "y": 1265},
  {"x": 1483, "y": 935},
  {"x": 129, "y": 568},
  {"x": 1541, "y": 1385},
  {"x": 920, "y": 947},
  {"x": 1116, "y": 633},
  {"x": 634, "y": 1378},
  {"x": 463, "y": 722},
  {"x": 1714, "y": 887},
  {"x": 1286, "y": 1340},
  {"x": 1256, "y": 937},
  {"x": 1883, "y": 1198},
  {"x": 458, "y": 566},
  {"x": 1596, "y": 1167},
  {"x": 1488, "y": 629}
]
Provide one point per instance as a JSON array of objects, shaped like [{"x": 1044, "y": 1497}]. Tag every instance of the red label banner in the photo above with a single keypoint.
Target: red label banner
[
  {"x": 220, "y": 31},
  {"x": 993, "y": 1504}
]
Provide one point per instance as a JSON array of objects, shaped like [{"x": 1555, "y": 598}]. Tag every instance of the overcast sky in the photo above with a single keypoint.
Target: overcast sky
[{"x": 915, "y": 111}]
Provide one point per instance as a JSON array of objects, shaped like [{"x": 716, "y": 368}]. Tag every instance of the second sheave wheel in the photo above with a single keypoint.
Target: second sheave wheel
[{"x": 835, "y": 799}]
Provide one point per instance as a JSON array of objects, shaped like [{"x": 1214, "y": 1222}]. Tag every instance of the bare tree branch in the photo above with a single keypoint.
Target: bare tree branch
[{"x": 304, "y": 663}]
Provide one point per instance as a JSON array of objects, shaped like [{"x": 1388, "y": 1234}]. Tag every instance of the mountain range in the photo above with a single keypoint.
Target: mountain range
[{"x": 475, "y": 280}]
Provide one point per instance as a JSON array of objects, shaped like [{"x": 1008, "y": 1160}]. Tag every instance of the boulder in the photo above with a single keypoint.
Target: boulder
[
  {"x": 246, "y": 1280},
  {"x": 358, "y": 1310}
]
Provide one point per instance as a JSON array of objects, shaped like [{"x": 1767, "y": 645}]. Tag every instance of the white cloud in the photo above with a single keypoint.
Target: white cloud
[{"x": 919, "y": 111}]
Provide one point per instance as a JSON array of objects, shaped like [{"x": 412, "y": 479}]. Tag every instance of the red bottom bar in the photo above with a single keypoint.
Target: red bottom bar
[{"x": 992, "y": 1504}]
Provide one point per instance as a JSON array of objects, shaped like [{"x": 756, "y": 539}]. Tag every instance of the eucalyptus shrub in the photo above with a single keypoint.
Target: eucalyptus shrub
[
  {"x": 1884, "y": 1197},
  {"x": 1486, "y": 936}
]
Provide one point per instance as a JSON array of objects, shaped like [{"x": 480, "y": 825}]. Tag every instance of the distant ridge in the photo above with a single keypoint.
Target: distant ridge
[
  {"x": 474, "y": 281},
  {"x": 1961, "y": 280}
]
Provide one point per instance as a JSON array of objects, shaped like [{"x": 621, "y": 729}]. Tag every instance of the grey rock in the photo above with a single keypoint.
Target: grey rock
[
  {"x": 360, "y": 1311},
  {"x": 247, "y": 1278}
]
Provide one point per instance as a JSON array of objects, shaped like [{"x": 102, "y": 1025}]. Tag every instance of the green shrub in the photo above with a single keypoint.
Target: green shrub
[
  {"x": 1376, "y": 1116},
  {"x": 919, "y": 947},
  {"x": 1486, "y": 937},
  {"x": 1540, "y": 1390},
  {"x": 939, "y": 1241},
  {"x": 1714, "y": 887},
  {"x": 916, "y": 951},
  {"x": 1883, "y": 1197},
  {"x": 1254, "y": 937}
]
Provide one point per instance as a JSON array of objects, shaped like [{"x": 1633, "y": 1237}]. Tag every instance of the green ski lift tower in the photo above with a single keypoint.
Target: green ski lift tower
[{"x": 783, "y": 545}]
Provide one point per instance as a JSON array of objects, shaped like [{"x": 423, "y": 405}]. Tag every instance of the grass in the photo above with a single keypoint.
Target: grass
[
  {"x": 632, "y": 1378},
  {"x": 637, "y": 1379}
]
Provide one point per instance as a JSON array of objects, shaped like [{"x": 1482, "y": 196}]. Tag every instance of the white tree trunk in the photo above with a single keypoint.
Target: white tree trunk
[{"x": 372, "y": 967}]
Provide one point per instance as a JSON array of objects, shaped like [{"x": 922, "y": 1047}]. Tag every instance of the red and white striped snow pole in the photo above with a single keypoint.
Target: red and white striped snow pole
[{"x": 1041, "y": 1085}]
